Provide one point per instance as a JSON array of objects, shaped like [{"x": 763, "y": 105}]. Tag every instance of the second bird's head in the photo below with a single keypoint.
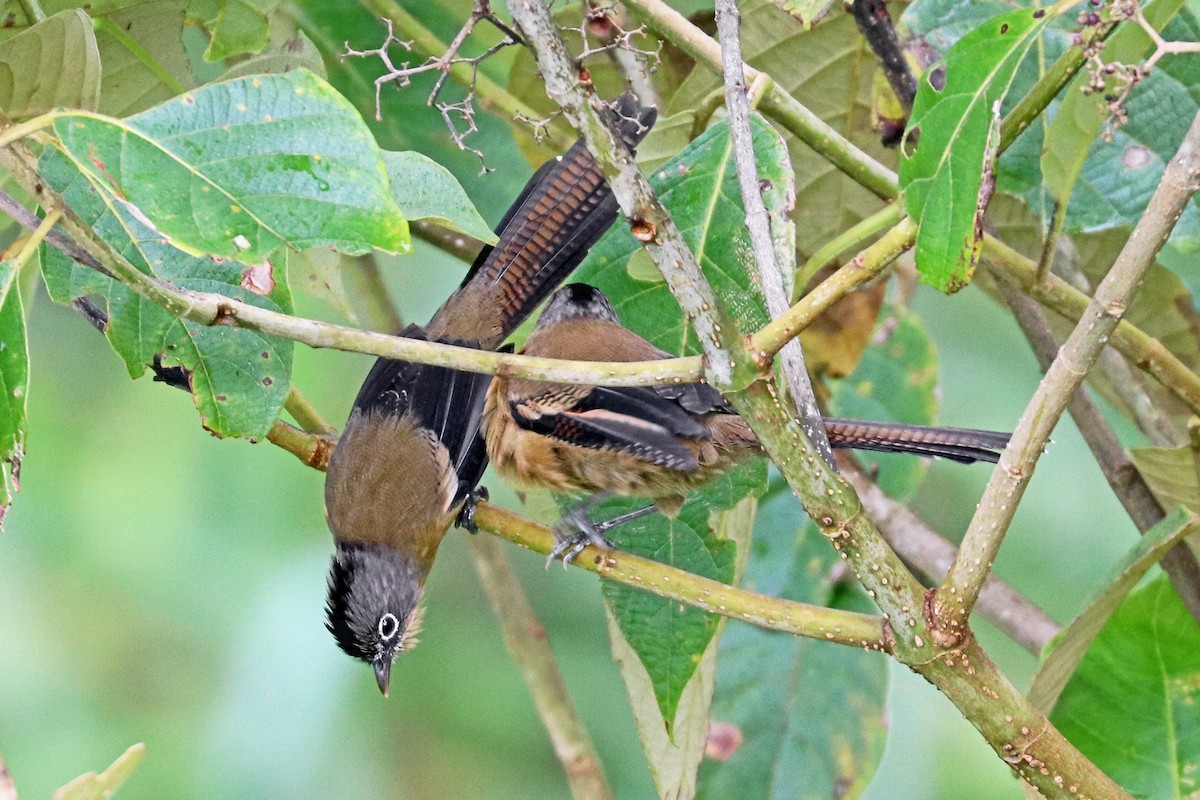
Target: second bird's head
[{"x": 373, "y": 608}]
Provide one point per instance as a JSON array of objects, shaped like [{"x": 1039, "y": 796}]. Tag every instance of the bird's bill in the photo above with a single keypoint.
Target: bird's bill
[{"x": 383, "y": 674}]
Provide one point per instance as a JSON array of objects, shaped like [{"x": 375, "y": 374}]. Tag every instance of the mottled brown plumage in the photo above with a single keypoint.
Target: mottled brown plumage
[{"x": 658, "y": 442}]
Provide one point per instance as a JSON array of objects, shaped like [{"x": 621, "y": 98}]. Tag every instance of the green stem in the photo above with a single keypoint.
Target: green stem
[
  {"x": 306, "y": 414},
  {"x": 19, "y": 130},
  {"x": 312, "y": 449},
  {"x": 863, "y": 268},
  {"x": 33, "y": 11},
  {"x": 776, "y": 103},
  {"x": 772, "y": 613},
  {"x": 884, "y": 218}
]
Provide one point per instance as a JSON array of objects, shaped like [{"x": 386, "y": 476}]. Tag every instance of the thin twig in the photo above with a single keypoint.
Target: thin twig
[
  {"x": 1121, "y": 473},
  {"x": 931, "y": 555},
  {"x": 459, "y": 245},
  {"x": 770, "y": 274},
  {"x": 526, "y": 640},
  {"x": 306, "y": 414},
  {"x": 313, "y": 449},
  {"x": 887, "y": 217},
  {"x": 959, "y": 591}
]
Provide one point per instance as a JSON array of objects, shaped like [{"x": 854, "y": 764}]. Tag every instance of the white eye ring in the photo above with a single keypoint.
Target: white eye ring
[{"x": 389, "y": 626}]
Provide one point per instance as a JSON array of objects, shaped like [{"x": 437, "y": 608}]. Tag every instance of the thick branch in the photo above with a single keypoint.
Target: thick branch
[
  {"x": 526, "y": 640},
  {"x": 931, "y": 555},
  {"x": 1076, "y": 357},
  {"x": 758, "y": 223}
]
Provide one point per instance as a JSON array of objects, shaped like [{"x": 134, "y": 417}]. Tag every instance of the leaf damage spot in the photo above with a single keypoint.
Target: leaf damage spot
[
  {"x": 241, "y": 242},
  {"x": 724, "y": 739},
  {"x": 267, "y": 381},
  {"x": 259, "y": 278},
  {"x": 1135, "y": 157}
]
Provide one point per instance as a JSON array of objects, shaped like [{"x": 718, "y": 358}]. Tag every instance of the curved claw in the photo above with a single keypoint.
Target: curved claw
[
  {"x": 466, "y": 517},
  {"x": 575, "y": 532}
]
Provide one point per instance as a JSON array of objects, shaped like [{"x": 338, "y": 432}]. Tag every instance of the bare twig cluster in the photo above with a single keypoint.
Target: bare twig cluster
[{"x": 459, "y": 115}]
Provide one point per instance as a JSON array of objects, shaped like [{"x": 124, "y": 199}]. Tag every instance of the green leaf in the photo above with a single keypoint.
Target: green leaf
[
  {"x": 239, "y": 168},
  {"x": 666, "y": 140},
  {"x": 807, "y": 12},
  {"x": 699, "y": 187},
  {"x": 14, "y": 385},
  {"x": 1064, "y": 653},
  {"x": 1173, "y": 474},
  {"x": 945, "y": 179},
  {"x": 674, "y": 755},
  {"x": 1133, "y": 706},
  {"x": 1081, "y": 116},
  {"x": 896, "y": 380},
  {"x": 424, "y": 189},
  {"x": 286, "y": 52},
  {"x": 809, "y": 715},
  {"x": 830, "y": 70},
  {"x": 239, "y": 378},
  {"x": 144, "y": 60},
  {"x": 240, "y": 26},
  {"x": 103, "y": 786},
  {"x": 668, "y": 637},
  {"x": 52, "y": 64}
]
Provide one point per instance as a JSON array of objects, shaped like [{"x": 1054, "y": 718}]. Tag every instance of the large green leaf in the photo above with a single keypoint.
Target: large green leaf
[
  {"x": 809, "y": 714},
  {"x": 14, "y": 384},
  {"x": 1065, "y": 652},
  {"x": 239, "y": 378},
  {"x": 104, "y": 785},
  {"x": 944, "y": 180},
  {"x": 668, "y": 637},
  {"x": 52, "y": 64},
  {"x": 830, "y": 70},
  {"x": 896, "y": 381},
  {"x": 699, "y": 187},
  {"x": 143, "y": 56},
  {"x": 1133, "y": 706},
  {"x": 424, "y": 189},
  {"x": 239, "y": 168},
  {"x": 1173, "y": 474},
  {"x": 239, "y": 27}
]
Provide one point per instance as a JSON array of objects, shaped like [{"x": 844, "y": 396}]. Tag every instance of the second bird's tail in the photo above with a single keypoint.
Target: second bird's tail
[{"x": 964, "y": 445}]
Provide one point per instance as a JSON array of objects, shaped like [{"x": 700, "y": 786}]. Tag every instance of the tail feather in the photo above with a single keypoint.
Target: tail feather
[
  {"x": 964, "y": 445},
  {"x": 563, "y": 210}
]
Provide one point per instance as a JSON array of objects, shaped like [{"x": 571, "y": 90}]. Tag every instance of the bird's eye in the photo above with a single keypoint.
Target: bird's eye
[{"x": 388, "y": 625}]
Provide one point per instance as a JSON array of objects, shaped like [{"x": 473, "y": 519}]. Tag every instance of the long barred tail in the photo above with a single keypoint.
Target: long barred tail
[
  {"x": 565, "y": 207},
  {"x": 958, "y": 444}
]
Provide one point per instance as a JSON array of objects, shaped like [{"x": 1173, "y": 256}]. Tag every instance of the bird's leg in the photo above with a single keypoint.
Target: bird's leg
[
  {"x": 574, "y": 531},
  {"x": 466, "y": 517}
]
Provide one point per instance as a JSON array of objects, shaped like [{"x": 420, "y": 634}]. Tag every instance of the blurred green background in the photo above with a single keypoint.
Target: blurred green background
[{"x": 160, "y": 585}]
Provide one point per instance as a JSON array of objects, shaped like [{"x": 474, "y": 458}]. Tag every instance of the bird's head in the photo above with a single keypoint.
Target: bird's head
[
  {"x": 373, "y": 609},
  {"x": 577, "y": 301}
]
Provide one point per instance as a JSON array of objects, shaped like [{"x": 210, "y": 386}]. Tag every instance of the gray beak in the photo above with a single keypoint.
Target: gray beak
[{"x": 383, "y": 674}]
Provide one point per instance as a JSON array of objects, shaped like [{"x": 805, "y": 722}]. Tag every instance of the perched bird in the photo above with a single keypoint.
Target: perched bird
[
  {"x": 658, "y": 442},
  {"x": 411, "y": 454}
]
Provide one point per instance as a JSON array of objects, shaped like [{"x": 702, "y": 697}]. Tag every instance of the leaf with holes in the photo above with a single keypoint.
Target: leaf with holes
[
  {"x": 946, "y": 179},
  {"x": 238, "y": 169},
  {"x": 14, "y": 385},
  {"x": 1133, "y": 706},
  {"x": 239, "y": 378},
  {"x": 54, "y": 63}
]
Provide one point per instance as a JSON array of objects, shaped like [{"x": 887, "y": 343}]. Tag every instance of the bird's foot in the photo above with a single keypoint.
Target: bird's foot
[
  {"x": 466, "y": 517},
  {"x": 574, "y": 532}
]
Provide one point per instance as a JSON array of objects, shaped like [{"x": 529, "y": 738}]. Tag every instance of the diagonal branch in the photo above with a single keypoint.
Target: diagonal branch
[
  {"x": 1078, "y": 355},
  {"x": 770, "y": 273}
]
